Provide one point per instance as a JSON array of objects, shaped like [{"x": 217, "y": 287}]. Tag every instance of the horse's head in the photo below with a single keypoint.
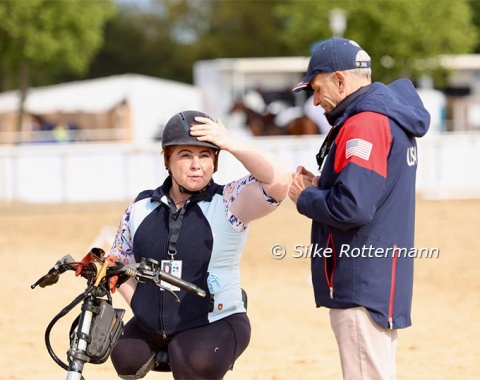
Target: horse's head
[{"x": 238, "y": 105}]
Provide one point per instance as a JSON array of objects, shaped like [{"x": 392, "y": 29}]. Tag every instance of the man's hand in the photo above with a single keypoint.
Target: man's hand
[{"x": 301, "y": 180}]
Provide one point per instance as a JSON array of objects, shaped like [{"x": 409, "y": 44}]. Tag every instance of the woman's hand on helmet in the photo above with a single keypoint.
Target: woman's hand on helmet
[{"x": 212, "y": 131}]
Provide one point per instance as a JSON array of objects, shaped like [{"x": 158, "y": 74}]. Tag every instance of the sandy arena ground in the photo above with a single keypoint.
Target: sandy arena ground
[{"x": 291, "y": 339}]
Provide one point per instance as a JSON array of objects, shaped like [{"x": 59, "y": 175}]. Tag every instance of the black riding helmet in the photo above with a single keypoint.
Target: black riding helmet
[{"x": 177, "y": 130}]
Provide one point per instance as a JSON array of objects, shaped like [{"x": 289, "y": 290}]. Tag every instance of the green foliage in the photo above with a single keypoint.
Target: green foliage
[
  {"x": 62, "y": 39},
  {"x": 475, "y": 6},
  {"x": 167, "y": 38},
  {"x": 243, "y": 28},
  {"x": 399, "y": 35},
  {"x": 144, "y": 42},
  {"x": 51, "y": 35}
]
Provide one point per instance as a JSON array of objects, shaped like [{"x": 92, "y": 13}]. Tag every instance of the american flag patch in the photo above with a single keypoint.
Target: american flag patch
[{"x": 359, "y": 148}]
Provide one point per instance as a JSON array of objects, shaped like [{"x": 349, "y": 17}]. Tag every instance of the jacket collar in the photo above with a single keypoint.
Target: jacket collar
[{"x": 335, "y": 114}]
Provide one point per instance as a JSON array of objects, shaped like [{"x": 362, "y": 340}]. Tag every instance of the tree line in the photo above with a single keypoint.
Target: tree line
[{"x": 45, "y": 42}]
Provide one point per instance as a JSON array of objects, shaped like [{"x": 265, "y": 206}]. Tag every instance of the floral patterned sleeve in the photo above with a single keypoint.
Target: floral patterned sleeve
[
  {"x": 122, "y": 245},
  {"x": 230, "y": 193}
]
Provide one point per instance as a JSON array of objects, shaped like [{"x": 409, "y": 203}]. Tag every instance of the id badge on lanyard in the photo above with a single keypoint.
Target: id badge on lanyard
[{"x": 173, "y": 267}]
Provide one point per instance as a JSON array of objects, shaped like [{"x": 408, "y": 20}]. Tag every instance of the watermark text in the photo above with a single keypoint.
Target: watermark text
[{"x": 308, "y": 251}]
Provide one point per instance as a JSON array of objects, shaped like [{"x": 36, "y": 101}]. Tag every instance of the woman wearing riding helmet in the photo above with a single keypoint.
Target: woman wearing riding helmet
[{"x": 199, "y": 228}]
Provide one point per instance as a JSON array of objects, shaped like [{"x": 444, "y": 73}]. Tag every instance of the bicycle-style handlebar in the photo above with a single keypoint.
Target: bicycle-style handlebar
[
  {"x": 148, "y": 270},
  {"x": 53, "y": 274},
  {"x": 103, "y": 276}
]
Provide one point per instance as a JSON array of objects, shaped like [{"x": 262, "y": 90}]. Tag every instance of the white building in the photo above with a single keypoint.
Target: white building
[{"x": 125, "y": 107}]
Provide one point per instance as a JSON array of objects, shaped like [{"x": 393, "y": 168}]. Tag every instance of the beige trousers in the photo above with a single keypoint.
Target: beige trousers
[{"x": 367, "y": 350}]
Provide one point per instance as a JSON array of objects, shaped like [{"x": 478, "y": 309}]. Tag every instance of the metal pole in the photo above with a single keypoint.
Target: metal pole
[{"x": 79, "y": 347}]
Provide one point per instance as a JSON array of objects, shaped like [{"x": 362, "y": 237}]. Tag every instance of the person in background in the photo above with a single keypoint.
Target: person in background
[
  {"x": 362, "y": 205},
  {"x": 200, "y": 228}
]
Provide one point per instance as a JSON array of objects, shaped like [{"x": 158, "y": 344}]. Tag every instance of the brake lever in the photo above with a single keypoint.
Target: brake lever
[
  {"x": 153, "y": 278},
  {"x": 169, "y": 291},
  {"x": 148, "y": 271},
  {"x": 54, "y": 273}
]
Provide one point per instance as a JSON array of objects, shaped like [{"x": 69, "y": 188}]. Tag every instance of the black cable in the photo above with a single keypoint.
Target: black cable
[{"x": 64, "y": 312}]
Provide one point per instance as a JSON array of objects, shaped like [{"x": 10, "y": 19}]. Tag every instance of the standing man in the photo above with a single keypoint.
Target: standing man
[{"x": 362, "y": 205}]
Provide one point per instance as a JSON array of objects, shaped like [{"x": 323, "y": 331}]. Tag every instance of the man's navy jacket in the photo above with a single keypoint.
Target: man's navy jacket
[{"x": 363, "y": 210}]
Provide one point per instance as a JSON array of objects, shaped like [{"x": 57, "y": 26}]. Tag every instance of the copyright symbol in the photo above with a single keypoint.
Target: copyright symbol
[{"x": 278, "y": 252}]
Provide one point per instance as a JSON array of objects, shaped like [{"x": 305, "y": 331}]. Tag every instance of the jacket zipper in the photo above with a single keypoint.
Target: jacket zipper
[
  {"x": 162, "y": 299},
  {"x": 392, "y": 287},
  {"x": 329, "y": 277},
  {"x": 162, "y": 322}
]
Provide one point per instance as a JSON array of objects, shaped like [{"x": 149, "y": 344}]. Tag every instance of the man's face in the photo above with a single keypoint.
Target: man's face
[{"x": 326, "y": 87}]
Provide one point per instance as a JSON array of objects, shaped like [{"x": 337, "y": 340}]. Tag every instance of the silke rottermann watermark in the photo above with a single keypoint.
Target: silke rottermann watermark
[{"x": 307, "y": 251}]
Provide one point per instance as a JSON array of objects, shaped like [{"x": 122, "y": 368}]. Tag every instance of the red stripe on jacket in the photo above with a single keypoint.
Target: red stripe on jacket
[{"x": 372, "y": 128}]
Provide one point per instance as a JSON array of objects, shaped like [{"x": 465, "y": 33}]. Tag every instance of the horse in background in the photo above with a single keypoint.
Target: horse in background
[
  {"x": 302, "y": 126},
  {"x": 268, "y": 123},
  {"x": 260, "y": 124}
]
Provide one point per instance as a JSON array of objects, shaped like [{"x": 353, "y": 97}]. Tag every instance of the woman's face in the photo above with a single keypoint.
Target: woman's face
[{"x": 192, "y": 166}]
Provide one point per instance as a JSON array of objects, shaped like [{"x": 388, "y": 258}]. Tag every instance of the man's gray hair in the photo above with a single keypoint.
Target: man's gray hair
[{"x": 365, "y": 73}]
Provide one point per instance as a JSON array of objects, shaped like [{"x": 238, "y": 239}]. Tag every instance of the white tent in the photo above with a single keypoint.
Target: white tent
[{"x": 151, "y": 101}]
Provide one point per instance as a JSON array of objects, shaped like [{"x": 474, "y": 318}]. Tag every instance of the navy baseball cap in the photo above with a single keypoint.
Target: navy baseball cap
[{"x": 334, "y": 54}]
